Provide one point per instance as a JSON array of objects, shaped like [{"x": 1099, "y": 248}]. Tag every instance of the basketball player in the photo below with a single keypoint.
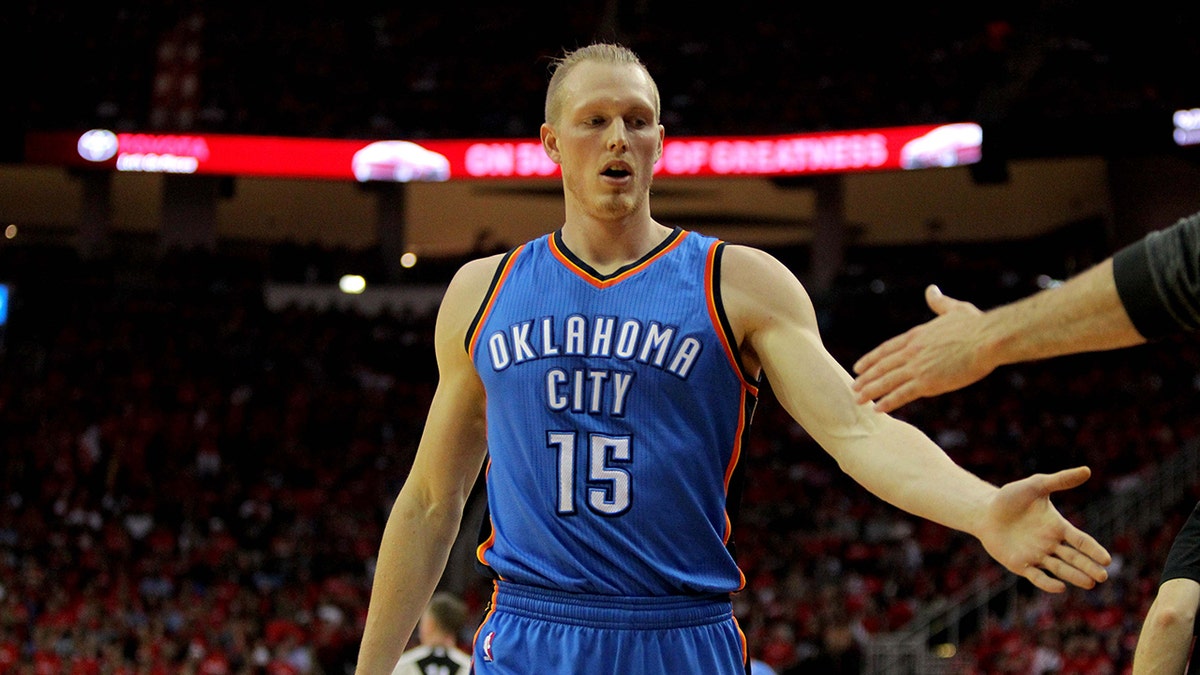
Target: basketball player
[
  {"x": 1147, "y": 290},
  {"x": 437, "y": 632},
  {"x": 608, "y": 372}
]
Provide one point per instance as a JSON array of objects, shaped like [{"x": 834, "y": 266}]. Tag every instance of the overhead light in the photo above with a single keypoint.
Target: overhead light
[{"x": 352, "y": 284}]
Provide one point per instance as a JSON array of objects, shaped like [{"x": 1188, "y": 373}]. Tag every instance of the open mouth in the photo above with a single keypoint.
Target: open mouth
[{"x": 616, "y": 172}]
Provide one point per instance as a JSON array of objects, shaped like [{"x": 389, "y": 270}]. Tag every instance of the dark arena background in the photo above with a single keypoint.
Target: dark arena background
[{"x": 216, "y": 331}]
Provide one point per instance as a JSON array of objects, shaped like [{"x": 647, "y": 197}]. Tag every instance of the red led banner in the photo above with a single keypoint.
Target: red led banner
[{"x": 896, "y": 148}]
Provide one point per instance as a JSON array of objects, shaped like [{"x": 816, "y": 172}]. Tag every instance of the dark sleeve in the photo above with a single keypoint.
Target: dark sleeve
[{"x": 1158, "y": 279}]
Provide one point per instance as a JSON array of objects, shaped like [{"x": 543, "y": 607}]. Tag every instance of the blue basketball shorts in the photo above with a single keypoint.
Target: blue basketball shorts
[{"x": 534, "y": 630}]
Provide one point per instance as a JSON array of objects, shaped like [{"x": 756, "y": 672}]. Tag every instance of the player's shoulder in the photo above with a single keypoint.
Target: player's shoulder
[
  {"x": 747, "y": 255},
  {"x": 470, "y": 282},
  {"x": 750, "y": 266},
  {"x": 757, "y": 288},
  {"x": 464, "y": 295},
  {"x": 478, "y": 269}
]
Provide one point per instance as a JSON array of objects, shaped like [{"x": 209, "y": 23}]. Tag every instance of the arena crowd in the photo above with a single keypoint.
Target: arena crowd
[{"x": 192, "y": 482}]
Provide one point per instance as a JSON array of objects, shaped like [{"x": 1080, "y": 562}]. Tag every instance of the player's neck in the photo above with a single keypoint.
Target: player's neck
[{"x": 610, "y": 245}]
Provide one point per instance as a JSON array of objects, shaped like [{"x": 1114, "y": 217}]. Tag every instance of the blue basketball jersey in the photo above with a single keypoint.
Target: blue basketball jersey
[{"x": 616, "y": 408}]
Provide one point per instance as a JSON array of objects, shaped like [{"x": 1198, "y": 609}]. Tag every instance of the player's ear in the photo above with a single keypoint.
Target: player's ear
[{"x": 550, "y": 143}]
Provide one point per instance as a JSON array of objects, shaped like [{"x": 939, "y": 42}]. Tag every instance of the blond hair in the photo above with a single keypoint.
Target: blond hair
[{"x": 601, "y": 52}]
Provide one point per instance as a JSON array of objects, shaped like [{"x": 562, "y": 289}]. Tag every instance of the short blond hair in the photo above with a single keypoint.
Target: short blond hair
[{"x": 602, "y": 52}]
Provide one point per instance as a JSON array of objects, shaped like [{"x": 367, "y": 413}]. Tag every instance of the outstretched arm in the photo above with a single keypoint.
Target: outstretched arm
[
  {"x": 962, "y": 344},
  {"x": 777, "y": 329},
  {"x": 428, "y": 511},
  {"x": 1148, "y": 289}
]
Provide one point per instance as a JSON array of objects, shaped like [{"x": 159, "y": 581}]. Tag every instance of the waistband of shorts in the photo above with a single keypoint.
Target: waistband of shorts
[{"x": 609, "y": 611}]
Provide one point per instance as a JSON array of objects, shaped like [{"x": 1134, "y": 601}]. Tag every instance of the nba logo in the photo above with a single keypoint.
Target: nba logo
[{"x": 487, "y": 646}]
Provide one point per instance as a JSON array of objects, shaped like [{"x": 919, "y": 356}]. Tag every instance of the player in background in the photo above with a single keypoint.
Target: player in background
[{"x": 437, "y": 652}]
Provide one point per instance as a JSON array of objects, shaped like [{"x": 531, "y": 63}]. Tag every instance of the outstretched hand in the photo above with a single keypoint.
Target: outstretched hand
[
  {"x": 1024, "y": 532},
  {"x": 940, "y": 355}
]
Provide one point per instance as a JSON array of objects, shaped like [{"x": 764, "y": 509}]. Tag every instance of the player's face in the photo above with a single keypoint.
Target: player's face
[{"x": 606, "y": 139}]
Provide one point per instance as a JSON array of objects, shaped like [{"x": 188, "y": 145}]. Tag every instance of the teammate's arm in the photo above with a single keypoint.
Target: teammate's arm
[
  {"x": 963, "y": 345},
  {"x": 428, "y": 511},
  {"x": 1149, "y": 289},
  {"x": 774, "y": 321}
]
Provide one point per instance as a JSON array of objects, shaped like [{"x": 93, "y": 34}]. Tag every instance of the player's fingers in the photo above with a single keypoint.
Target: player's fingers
[
  {"x": 898, "y": 397},
  {"x": 1044, "y": 581},
  {"x": 941, "y": 303},
  {"x": 1066, "y": 479},
  {"x": 936, "y": 300},
  {"x": 880, "y": 380},
  {"x": 1087, "y": 545},
  {"x": 887, "y": 365},
  {"x": 877, "y": 354},
  {"x": 1081, "y": 561},
  {"x": 1068, "y": 573}
]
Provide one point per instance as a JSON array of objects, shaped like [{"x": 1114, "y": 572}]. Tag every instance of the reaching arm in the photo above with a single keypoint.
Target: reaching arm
[
  {"x": 962, "y": 345},
  {"x": 1147, "y": 290},
  {"x": 428, "y": 511},
  {"x": 776, "y": 326}
]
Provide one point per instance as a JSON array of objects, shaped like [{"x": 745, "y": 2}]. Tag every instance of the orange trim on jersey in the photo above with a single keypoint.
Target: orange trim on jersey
[
  {"x": 734, "y": 457},
  {"x": 737, "y": 442},
  {"x": 605, "y": 283},
  {"x": 486, "y": 545},
  {"x": 490, "y": 301},
  {"x": 725, "y": 540},
  {"x": 710, "y": 292},
  {"x": 748, "y": 388}
]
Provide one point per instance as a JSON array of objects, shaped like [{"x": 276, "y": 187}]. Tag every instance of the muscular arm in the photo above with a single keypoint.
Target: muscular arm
[
  {"x": 963, "y": 345},
  {"x": 776, "y": 326},
  {"x": 428, "y": 511},
  {"x": 1149, "y": 289},
  {"x": 1084, "y": 314}
]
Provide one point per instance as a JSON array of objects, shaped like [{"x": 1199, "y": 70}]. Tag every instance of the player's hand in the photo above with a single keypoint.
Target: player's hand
[
  {"x": 1024, "y": 532},
  {"x": 940, "y": 355}
]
